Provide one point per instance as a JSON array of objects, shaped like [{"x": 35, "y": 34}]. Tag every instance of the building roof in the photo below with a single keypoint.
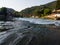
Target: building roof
[{"x": 56, "y": 11}]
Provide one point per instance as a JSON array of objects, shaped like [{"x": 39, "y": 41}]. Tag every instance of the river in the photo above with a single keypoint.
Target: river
[{"x": 30, "y": 31}]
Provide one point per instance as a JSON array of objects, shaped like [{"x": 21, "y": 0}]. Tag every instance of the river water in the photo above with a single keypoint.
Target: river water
[{"x": 30, "y": 31}]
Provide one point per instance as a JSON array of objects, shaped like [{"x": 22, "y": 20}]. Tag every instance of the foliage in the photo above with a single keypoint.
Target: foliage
[
  {"x": 3, "y": 10},
  {"x": 58, "y": 4},
  {"x": 40, "y": 11},
  {"x": 47, "y": 11}
]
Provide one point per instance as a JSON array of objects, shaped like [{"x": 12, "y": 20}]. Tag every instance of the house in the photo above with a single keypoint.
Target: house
[{"x": 56, "y": 14}]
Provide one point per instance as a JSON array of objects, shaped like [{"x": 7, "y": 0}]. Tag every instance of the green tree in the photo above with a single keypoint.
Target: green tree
[
  {"x": 47, "y": 11},
  {"x": 58, "y": 4},
  {"x": 4, "y": 12},
  {"x": 37, "y": 13}
]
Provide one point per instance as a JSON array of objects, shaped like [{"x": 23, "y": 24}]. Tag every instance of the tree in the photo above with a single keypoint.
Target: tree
[
  {"x": 47, "y": 11},
  {"x": 37, "y": 13},
  {"x": 4, "y": 12},
  {"x": 58, "y": 4}
]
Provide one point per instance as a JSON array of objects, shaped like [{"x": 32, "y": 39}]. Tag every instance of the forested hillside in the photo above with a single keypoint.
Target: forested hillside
[{"x": 39, "y": 11}]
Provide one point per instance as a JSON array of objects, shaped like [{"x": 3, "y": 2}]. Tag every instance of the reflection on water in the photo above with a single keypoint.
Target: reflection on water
[{"x": 30, "y": 32}]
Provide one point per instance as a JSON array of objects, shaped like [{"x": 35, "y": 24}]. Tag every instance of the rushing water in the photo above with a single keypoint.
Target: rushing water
[
  {"x": 30, "y": 31},
  {"x": 40, "y": 21}
]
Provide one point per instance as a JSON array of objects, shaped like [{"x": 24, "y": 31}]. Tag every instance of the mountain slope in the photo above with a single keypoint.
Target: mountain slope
[{"x": 28, "y": 12}]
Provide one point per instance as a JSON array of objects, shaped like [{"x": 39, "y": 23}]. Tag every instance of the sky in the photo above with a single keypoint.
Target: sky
[{"x": 19, "y": 5}]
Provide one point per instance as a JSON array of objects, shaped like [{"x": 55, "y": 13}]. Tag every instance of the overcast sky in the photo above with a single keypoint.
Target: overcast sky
[{"x": 22, "y": 4}]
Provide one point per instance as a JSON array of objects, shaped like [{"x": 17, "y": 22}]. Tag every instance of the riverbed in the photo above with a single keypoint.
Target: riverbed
[{"x": 30, "y": 31}]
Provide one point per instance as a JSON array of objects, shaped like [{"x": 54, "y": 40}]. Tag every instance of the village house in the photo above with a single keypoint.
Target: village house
[{"x": 56, "y": 13}]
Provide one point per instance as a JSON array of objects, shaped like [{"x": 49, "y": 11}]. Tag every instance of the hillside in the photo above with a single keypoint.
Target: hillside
[
  {"x": 39, "y": 11},
  {"x": 35, "y": 11},
  {"x": 8, "y": 13}
]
